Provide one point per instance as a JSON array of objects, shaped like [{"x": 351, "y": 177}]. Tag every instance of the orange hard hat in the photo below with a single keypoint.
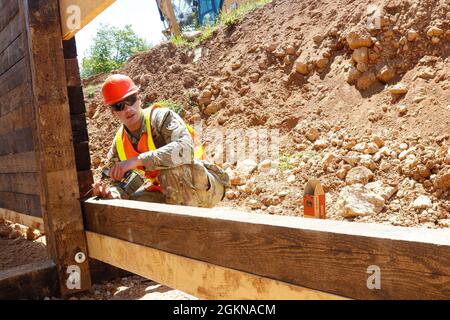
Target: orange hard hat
[{"x": 117, "y": 87}]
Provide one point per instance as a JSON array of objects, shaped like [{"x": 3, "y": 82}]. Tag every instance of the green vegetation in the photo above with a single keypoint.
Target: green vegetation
[
  {"x": 90, "y": 90},
  {"x": 225, "y": 19},
  {"x": 290, "y": 161},
  {"x": 110, "y": 49},
  {"x": 174, "y": 106}
]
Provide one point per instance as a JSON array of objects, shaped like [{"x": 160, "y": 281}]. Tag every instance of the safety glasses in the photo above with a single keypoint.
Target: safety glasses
[{"x": 128, "y": 101}]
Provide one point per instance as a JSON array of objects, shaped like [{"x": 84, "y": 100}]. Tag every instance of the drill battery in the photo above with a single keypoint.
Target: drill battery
[{"x": 130, "y": 183}]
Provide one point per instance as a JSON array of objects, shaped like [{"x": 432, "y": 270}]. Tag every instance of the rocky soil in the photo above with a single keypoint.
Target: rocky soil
[{"x": 359, "y": 95}]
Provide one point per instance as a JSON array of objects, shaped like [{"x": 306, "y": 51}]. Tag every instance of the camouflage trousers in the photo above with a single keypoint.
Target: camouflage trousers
[{"x": 190, "y": 185}]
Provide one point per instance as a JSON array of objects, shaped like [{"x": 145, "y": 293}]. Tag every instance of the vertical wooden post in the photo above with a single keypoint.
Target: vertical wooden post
[{"x": 63, "y": 222}]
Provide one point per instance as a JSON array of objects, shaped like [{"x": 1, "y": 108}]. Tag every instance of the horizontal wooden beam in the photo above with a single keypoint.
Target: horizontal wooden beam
[
  {"x": 32, "y": 281},
  {"x": 200, "y": 279},
  {"x": 76, "y": 14},
  {"x": 23, "y": 219},
  {"x": 18, "y": 163},
  {"x": 332, "y": 256},
  {"x": 24, "y": 203}
]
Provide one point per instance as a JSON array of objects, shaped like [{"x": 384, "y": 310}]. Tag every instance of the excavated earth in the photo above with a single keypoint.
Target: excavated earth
[{"x": 356, "y": 96}]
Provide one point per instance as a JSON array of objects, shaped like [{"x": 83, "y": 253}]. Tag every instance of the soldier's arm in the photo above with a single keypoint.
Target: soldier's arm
[
  {"x": 113, "y": 157},
  {"x": 178, "y": 148}
]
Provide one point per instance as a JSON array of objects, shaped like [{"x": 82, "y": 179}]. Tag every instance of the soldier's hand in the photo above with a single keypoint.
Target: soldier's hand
[
  {"x": 118, "y": 170},
  {"x": 101, "y": 190}
]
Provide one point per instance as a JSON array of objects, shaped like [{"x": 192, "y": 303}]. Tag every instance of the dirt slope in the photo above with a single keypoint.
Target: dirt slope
[{"x": 361, "y": 101}]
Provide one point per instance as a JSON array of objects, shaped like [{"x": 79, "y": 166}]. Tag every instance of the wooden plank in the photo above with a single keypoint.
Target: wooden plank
[
  {"x": 26, "y": 183},
  {"x": 10, "y": 32},
  {"x": 16, "y": 98},
  {"x": 23, "y": 219},
  {"x": 18, "y": 119},
  {"x": 22, "y": 203},
  {"x": 63, "y": 220},
  {"x": 200, "y": 279},
  {"x": 70, "y": 48},
  {"x": 79, "y": 128},
  {"x": 89, "y": 9},
  {"x": 72, "y": 72},
  {"x": 85, "y": 181},
  {"x": 20, "y": 162},
  {"x": 11, "y": 55},
  {"x": 82, "y": 156},
  {"x": 31, "y": 281},
  {"x": 330, "y": 256},
  {"x": 76, "y": 100},
  {"x": 17, "y": 142},
  {"x": 14, "y": 77},
  {"x": 8, "y": 9}
]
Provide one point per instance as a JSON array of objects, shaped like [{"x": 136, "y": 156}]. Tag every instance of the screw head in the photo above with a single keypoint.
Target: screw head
[{"x": 80, "y": 257}]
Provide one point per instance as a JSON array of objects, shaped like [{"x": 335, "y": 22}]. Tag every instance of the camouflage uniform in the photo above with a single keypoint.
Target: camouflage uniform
[{"x": 184, "y": 180}]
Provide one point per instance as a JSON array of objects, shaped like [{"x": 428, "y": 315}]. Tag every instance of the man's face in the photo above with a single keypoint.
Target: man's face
[{"x": 130, "y": 116}]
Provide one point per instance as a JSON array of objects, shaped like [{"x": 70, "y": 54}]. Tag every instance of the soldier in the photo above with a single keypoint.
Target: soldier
[{"x": 156, "y": 143}]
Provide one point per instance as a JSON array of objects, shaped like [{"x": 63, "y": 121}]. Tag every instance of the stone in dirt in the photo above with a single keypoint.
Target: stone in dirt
[
  {"x": 359, "y": 38},
  {"x": 312, "y": 134},
  {"x": 360, "y": 175},
  {"x": 301, "y": 66},
  {"x": 366, "y": 80},
  {"x": 356, "y": 200},
  {"x": 442, "y": 180},
  {"x": 381, "y": 189},
  {"x": 399, "y": 88},
  {"x": 422, "y": 202},
  {"x": 386, "y": 74},
  {"x": 247, "y": 166}
]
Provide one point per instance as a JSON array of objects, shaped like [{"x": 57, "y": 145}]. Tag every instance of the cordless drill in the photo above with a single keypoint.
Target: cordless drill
[{"x": 130, "y": 183}]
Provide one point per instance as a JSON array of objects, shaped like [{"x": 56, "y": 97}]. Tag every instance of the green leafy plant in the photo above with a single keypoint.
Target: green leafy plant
[
  {"x": 110, "y": 49},
  {"x": 174, "y": 106}
]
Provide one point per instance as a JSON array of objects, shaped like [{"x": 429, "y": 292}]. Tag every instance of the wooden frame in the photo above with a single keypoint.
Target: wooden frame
[
  {"x": 200, "y": 279},
  {"x": 58, "y": 181},
  {"x": 329, "y": 256},
  {"x": 32, "y": 281}
]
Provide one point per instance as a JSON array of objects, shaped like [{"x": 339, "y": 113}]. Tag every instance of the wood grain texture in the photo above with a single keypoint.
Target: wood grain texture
[
  {"x": 82, "y": 157},
  {"x": 328, "y": 256},
  {"x": 17, "y": 98},
  {"x": 26, "y": 183},
  {"x": 85, "y": 181},
  {"x": 32, "y": 281},
  {"x": 72, "y": 72},
  {"x": 200, "y": 279},
  {"x": 11, "y": 31},
  {"x": 8, "y": 9},
  {"x": 14, "y": 77},
  {"x": 12, "y": 54},
  {"x": 19, "y": 141},
  {"x": 18, "y": 119},
  {"x": 23, "y": 219},
  {"x": 59, "y": 186},
  {"x": 79, "y": 128},
  {"x": 22, "y": 203},
  {"x": 76, "y": 100},
  {"x": 18, "y": 163},
  {"x": 70, "y": 48}
]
